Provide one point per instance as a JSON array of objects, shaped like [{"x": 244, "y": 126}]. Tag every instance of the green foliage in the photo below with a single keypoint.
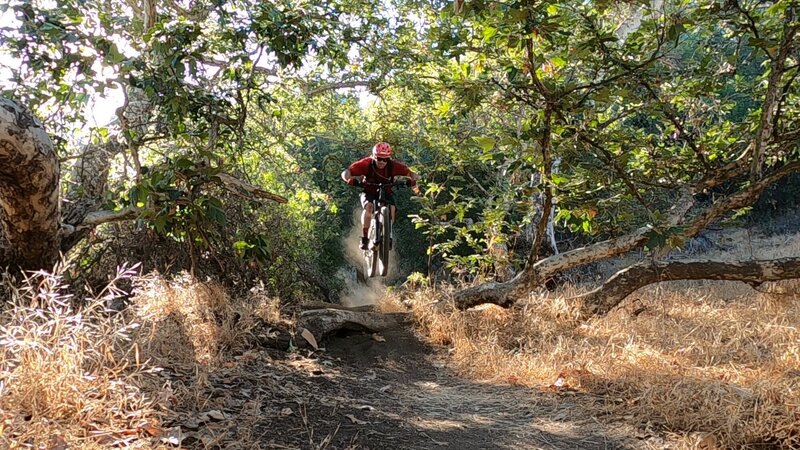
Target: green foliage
[
  {"x": 630, "y": 118},
  {"x": 497, "y": 106},
  {"x": 178, "y": 203}
]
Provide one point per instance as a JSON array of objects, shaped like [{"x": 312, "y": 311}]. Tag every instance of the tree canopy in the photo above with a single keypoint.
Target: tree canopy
[{"x": 549, "y": 134}]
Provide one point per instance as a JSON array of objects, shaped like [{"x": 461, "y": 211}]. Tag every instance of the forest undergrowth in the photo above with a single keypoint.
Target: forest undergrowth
[{"x": 713, "y": 364}]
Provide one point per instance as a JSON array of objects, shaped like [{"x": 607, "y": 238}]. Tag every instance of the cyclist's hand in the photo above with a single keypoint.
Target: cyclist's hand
[
  {"x": 413, "y": 185},
  {"x": 354, "y": 182}
]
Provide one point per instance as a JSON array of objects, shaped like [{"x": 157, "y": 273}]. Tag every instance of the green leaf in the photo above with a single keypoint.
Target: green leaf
[
  {"x": 242, "y": 246},
  {"x": 558, "y": 61},
  {"x": 655, "y": 239},
  {"x": 485, "y": 142}
]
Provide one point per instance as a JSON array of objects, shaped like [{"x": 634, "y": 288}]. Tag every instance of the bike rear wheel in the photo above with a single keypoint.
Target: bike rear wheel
[
  {"x": 371, "y": 254},
  {"x": 383, "y": 250}
]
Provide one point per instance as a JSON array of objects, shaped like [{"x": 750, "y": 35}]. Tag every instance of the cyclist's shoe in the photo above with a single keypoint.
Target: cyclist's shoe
[{"x": 364, "y": 243}]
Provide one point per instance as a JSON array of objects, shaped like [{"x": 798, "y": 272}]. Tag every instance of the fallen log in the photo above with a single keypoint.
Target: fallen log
[
  {"x": 322, "y": 322},
  {"x": 328, "y": 305}
]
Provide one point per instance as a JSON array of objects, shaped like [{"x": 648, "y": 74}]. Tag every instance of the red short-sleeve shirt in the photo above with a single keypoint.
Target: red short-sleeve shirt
[{"x": 366, "y": 167}]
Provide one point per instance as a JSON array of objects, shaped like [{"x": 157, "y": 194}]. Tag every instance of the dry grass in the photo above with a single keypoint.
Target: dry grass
[
  {"x": 68, "y": 377},
  {"x": 187, "y": 323},
  {"x": 87, "y": 378},
  {"x": 711, "y": 361}
]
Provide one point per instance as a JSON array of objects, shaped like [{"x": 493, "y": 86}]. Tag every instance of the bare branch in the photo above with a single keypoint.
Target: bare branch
[
  {"x": 255, "y": 191},
  {"x": 772, "y": 98},
  {"x": 334, "y": 86},
  {"x": 95, "y": 218}
]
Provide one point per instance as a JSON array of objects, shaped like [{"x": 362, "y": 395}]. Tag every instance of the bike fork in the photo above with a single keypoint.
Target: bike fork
[{"x": 377, "y": 224}]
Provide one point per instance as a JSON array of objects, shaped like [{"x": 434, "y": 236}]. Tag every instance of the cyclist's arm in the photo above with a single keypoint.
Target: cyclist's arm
[
  {"x": 347, "y": 176},
  {"x": 402, "y": 170}
]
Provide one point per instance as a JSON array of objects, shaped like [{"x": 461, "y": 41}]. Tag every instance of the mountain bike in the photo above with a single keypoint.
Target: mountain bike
[{"x": 376, "y": 256}]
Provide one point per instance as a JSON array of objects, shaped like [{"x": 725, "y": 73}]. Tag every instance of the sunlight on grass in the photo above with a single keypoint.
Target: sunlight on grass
[
  {"x": 68, "y": 374},
  {"x": 86, "y": 377},
  {"x": 711, "y": 357}
]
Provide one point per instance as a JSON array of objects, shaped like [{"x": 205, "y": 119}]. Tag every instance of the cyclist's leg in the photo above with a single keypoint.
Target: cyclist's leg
[
  {"x": 392, "y": 206},
  {"x": 366, "y": 217}
]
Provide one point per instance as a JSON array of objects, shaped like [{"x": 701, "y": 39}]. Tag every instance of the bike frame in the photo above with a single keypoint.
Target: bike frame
[{"x": 380, "y": 232}]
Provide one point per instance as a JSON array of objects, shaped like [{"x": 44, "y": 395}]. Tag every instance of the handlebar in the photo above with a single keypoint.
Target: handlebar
[
  {"x": 393, "y": 184},
  {"x": 382, "y": 185}
]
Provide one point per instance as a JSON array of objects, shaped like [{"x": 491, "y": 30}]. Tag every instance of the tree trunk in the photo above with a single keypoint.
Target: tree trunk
[
  {"x": 504, "y": 294},
  {"x": 89, "y": 183},
  {"x": 89, "y": 176},
  {"x": 29, "y": 180},
  {"x": 626, "y": 281}
]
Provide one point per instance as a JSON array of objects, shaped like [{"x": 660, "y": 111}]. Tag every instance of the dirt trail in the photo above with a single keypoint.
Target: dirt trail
[
  {"x": 363, "y": 393},
  {"x": 360, "y": 391}
]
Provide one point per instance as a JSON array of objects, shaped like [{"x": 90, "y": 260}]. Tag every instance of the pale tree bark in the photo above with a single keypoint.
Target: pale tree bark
[
  {"x": 538, "y": 200},
  {"x": 551, "y": 229},
  {"x": 89, "y": 180},
  {"x": 29, "y": 180}
]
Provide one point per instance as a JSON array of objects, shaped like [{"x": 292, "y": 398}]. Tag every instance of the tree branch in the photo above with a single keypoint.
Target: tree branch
[
  {"x": 334, "y": 86},
  {"x": 95, "y": 218},
  {"x": 744, "y": 197},
  {"x": 255, "y": 191},
  {"x": 623, "y": 283},
  {"x": 771, "y": 99},
  {"x": 547, "y": 173}
]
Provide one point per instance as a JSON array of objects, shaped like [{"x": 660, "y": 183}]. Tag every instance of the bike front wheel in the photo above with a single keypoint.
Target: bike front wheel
[
  {"x": 386, "y": 231},
  {"x": 371, "y": 253}
]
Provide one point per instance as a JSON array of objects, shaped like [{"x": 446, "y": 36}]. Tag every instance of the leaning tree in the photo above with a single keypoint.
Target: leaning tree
[{"x": 661, "y": 118}]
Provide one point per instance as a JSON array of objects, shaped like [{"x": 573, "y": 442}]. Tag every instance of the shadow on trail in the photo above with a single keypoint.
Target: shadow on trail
[
  {"x": 363, "y": 392},
  {"x": 392, "y": 391}
]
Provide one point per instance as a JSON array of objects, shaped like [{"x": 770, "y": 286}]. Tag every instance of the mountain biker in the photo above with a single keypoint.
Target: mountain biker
[{"x": 377, "y": 168}]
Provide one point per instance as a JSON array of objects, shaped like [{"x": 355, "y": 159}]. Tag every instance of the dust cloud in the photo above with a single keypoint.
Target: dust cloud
[{"x": 358, "y": 293}]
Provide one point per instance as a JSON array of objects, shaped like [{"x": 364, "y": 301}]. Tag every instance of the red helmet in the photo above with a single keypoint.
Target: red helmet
[{"x": 382, "y": 150}]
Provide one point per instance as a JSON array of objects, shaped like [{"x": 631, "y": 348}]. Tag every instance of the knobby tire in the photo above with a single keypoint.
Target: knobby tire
[
  {"x": 371, "y": 255},
  {"x": 383, "y": 250}
]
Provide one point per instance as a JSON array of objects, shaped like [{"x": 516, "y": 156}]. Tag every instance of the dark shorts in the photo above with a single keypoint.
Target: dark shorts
[{"x": 368, "y": 198}]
